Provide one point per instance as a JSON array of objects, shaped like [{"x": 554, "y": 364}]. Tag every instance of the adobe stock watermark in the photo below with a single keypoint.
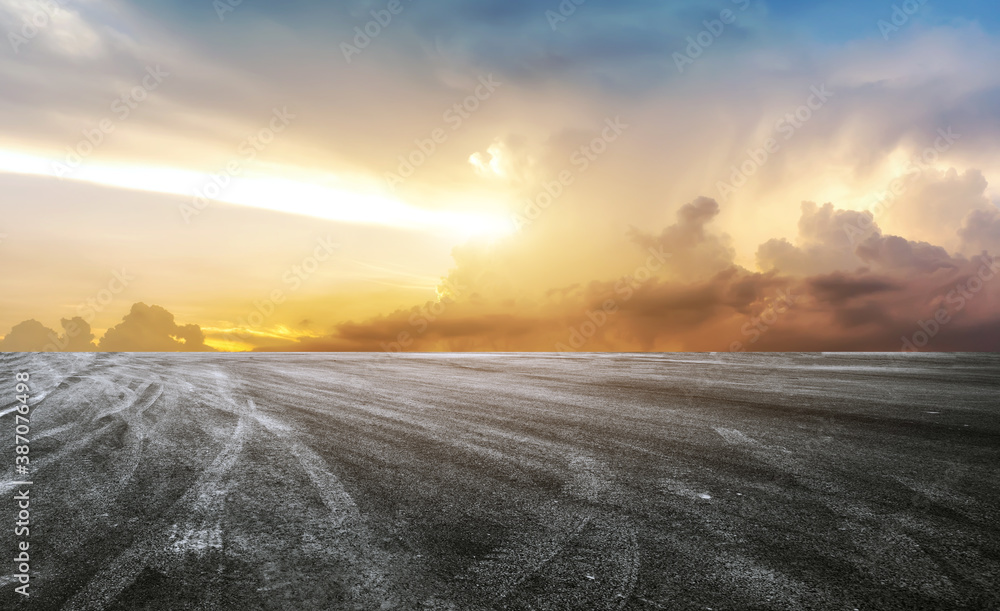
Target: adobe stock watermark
[
  {"x": 454, "y": 118},
  {"x": 22, "y": 412},
  {"x": 915, "y": 167},
  {"x": 565, "y": 10},
  {"x": 624, "y": 291},
  {"x": 224, "y": 7},
  {"x": 32, "y": 26},
  {"x": 90, "y": 308},
  {"x": 581, "y": 160},
  {"x": 955, "y": 301},
  {"x": 292, "y": 279},
  {"x": 901, "y": 15},
  {"x": 757, "y": 326},
  {"x": 364, "y": 35},
  {"x": 714, "y": 29},
  {"x": 215, "y": 185},
  {"x": 421, "y": 320},
  {"x": 787, "y": 127},
  {"x": 122, "y": 107}
]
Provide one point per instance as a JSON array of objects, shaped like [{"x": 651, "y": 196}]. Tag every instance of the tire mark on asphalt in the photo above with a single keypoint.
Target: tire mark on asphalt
[
  {"x": 8, "y": 579},
  {"x": 33, "y": 401},
  {"x": 508, "y": 568},
  {"x": 590, "y": 480},
  {"x": 581, "y": 536},
  {"x": 632, "y": 571},
  {"x": 205, "y": 499},
  {"x": 649, "y": 602},
  {"x": 358, "y": 549},
  {"x": 203, "y": 530},
  {"x": 466, "y": 435},
  {"x": 36, "y": 363},
  {"x": 331, "y": 490},
  {"x": 593, "y": 481},
  {"x": 137, "y": 433},
  {"x": 735, "y": 437},
  {"x": 132, "y": 397},
  {"x": 66, "y": 449},
  {"x": 142, "y": 400},
  {"x": 54, "y": 432},
  {"x": 504, "y": 570},
  {"x": 559, "y": 565},
  {"x": 10, "y": 410}
]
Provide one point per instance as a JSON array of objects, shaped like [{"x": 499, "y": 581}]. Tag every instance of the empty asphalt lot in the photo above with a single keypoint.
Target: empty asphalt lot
[{"x": 466, "y": 482}]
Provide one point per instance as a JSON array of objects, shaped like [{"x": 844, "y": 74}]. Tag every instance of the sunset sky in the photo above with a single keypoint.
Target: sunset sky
[{"x": 499, "y": 175}]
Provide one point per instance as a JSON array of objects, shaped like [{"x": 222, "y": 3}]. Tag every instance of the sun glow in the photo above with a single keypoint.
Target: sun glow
[
  {"x": 361, "y": 204},
  {"x": 238, "y": 339}
]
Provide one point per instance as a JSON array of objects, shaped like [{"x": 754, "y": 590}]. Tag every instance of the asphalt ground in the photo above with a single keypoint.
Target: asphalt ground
[{"x": 518, "y": 481}]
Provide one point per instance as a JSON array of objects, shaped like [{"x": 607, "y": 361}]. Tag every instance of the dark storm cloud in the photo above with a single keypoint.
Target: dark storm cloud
[
  {"x": 412, "y": 330},
  {"x": 896, "y": 253},
  {"x": 673, "y": 307},
  {"x": 909, "y": 287},
  {"x": 870, "y": 313},
  {"x": 631, "y": 316},
  {"x": 838, "y": 287},
  {"x": 878, "y": 301}
]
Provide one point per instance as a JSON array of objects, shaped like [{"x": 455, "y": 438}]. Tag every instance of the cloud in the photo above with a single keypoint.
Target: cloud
[
  {"x": 694, "y": 252},
  {"x": 28, "y": 336},
  {"x": 819, "y": 295},
  {"x": 889, "y": 101},
  {"x": 936, "y": 204},
  {"x": 77, "y": 337},
  {"x": 826, "y": 242},
  {"x": 896, "y": 253},
  {"x": 838, "y": 288},
  {"x": 63, "y": 31},
  {"x": 870, "y": 297},
  {"x": 981, "y": 231},
  {"x": 846, "y": 240},
  {"x": 152, "y": 329},
  {"x": 625, "y": 313},
  {"x": 888, "y": 299},
  {"x": 33, "y": 336}
]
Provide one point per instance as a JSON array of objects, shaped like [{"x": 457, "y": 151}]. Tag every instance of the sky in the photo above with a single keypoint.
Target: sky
[{"x": 584, "y": 175}]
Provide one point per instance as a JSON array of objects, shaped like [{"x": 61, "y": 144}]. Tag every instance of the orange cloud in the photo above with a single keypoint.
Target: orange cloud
[
  {"x": 843, "y": 285},
  {"x": 152, "y": 329}
]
